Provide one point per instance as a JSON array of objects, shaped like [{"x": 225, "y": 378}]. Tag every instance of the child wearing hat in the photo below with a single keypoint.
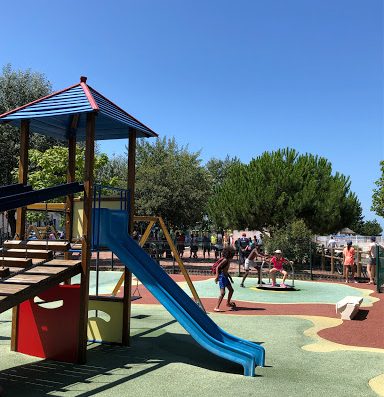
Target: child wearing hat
[{"x": 277, "y": 262}]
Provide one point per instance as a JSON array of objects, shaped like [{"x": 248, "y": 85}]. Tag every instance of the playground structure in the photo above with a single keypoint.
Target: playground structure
[
  {"x": 152, "y": 221},
  {"x": 80, "y": 113}
]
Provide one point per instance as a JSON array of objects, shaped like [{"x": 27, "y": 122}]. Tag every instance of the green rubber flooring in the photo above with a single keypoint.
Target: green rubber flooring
[{"x": 165, "y": 361}]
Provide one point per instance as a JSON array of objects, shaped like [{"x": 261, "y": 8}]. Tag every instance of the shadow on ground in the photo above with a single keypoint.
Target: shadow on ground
[{"x": 110, "y": 365}]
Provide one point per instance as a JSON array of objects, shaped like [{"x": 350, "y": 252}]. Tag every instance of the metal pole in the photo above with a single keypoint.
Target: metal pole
[{"x": 310, "y": 260}]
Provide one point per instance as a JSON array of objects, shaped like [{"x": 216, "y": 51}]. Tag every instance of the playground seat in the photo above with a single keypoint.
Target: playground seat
[{"x": 348, "y": 307}]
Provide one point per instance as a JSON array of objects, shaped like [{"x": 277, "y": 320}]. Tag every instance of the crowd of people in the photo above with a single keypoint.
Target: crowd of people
[{"x": 196, "y": 244}]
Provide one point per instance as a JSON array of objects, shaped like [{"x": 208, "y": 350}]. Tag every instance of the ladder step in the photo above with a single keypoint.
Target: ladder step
[
  {"x": 15, "y": 262},
  {"x": 29, "y": 253},
  {"x": 54, "y": 245}
]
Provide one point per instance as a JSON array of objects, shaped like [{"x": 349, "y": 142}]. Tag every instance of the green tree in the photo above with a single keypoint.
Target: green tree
[
  {"x": 294, "y": 239},
  {"x": 115, "y": 169},
  {"x": 370, "y": 228},
  {"x": 171, "y": 182},
  {"x": 219, "y": 169},
  {"x": 49, "y": 168},
  {"x": 280, "y": 187},
  {"x": 378, "y": 194},
  {"x": 16, "y": 89}
]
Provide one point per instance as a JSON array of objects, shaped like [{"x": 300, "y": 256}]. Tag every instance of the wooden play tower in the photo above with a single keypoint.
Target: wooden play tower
[{"x": 76, "y": 114}]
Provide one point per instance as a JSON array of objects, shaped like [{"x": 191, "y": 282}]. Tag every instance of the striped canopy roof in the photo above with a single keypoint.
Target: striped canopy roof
[{"x": 64, "y": 112}]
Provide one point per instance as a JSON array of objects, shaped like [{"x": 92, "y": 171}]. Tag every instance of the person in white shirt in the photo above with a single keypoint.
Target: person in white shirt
[{"x": 332, "y": 243}]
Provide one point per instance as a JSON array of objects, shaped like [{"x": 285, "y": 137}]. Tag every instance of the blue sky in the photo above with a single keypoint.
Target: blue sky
[{"x": 223, "y": 77}]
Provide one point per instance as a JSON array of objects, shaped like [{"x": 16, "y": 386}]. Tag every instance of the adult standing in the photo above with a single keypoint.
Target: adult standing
[
  {"x": 206, "y": 245},
  {"x": 371, "y": 267},
  {"x": 243, "y": 248},
  {"x": 332, "y": 243}
]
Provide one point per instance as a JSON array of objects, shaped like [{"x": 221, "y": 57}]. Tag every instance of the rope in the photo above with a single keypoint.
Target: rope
[{"x": 136, "y": 289}]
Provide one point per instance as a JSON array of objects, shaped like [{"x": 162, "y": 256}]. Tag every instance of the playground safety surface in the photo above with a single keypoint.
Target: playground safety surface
[{"x": 309, "y": 350}]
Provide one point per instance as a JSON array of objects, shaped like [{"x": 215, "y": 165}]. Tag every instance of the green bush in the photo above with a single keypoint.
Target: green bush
[{"x": 294, "y": 240}]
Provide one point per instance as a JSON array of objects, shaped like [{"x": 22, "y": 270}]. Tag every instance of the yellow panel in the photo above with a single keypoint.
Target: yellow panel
[
  {"x": 77, "y": 232},
  {"x": 102, "y": 330}
]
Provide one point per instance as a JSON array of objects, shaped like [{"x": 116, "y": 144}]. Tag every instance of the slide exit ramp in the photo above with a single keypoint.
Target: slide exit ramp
[{"x": 113, "y": 234}]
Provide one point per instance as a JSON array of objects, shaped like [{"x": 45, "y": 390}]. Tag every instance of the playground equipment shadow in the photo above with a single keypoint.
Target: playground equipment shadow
[{"x": 165, "y": 361}]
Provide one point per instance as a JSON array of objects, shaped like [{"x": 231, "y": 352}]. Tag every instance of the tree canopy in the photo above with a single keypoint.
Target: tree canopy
[
  {"x": 219, "y": 169},
  {"x": 16, "y": 89},
  {"x": 49, "y": 168},
  {"x": 279, "y": 187},
  {"x": 171, "y": 182},
  {"x": 378, "y": 194}
]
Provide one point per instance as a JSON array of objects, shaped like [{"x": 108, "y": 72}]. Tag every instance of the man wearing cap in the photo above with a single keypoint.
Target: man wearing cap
[{"x": 277, "y": 262}]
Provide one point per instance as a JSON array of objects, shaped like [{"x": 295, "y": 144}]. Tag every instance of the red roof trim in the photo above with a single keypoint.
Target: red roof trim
[
  {"x": 38, "y": 100},
  {"x": 118, "y": 107},
  {"x": 89, "y": 95}
]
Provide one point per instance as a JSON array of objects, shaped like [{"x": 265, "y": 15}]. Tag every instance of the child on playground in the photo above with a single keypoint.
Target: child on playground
[
  {"x": 251, "y": 261},
  {"x": 349, "y": 261},
  {"x": 277, "y": 262},
  {"x": 224, "y": 278}
]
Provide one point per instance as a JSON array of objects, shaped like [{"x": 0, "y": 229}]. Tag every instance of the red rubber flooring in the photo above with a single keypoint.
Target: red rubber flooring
[{"x": 367, "y": 328}]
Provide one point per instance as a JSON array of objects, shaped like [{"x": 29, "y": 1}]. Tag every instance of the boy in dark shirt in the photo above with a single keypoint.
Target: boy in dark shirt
[{"x": 224, "y": 278}]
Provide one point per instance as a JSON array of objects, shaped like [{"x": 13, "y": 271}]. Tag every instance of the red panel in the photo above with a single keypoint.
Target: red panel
[{"x": 51, "y": 333}]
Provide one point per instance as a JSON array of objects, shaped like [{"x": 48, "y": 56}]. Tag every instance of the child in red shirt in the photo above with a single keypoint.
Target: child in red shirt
[{"x": 277, "y": 262}]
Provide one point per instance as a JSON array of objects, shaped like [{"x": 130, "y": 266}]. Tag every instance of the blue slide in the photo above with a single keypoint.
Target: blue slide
[{"x": 112, "y": 233}]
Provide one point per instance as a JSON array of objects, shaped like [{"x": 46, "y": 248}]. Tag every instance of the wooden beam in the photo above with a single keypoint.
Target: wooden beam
[
  {"x": 20, "y": 213},
  {"x": 144, "y": 218},
  {"x": 70, "y": 178},
  {"x": 126, "y": 332},
  {"x": 54, "y": 207},
  {"x": 23, "y": 175},
  {"x": 180, "y": 263},
  {"x": 86, "y": 238}
]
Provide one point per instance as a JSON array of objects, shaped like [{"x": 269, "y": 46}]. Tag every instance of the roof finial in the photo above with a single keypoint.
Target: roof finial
[{"x": 83, "y": 79}]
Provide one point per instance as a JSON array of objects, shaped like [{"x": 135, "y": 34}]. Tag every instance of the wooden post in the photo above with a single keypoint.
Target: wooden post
[
  {"x": 70, "y": 178},
  {"x": 86, "y": 238},
  {"x": 23, "y": 175},
  {"x": 322, "y": 258},
  {"x": 127, "y": 274},
  {"x": 332, "y": 260},
  {"x": 69, "y": 199},
  {"x": 21, "y": 212}
]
